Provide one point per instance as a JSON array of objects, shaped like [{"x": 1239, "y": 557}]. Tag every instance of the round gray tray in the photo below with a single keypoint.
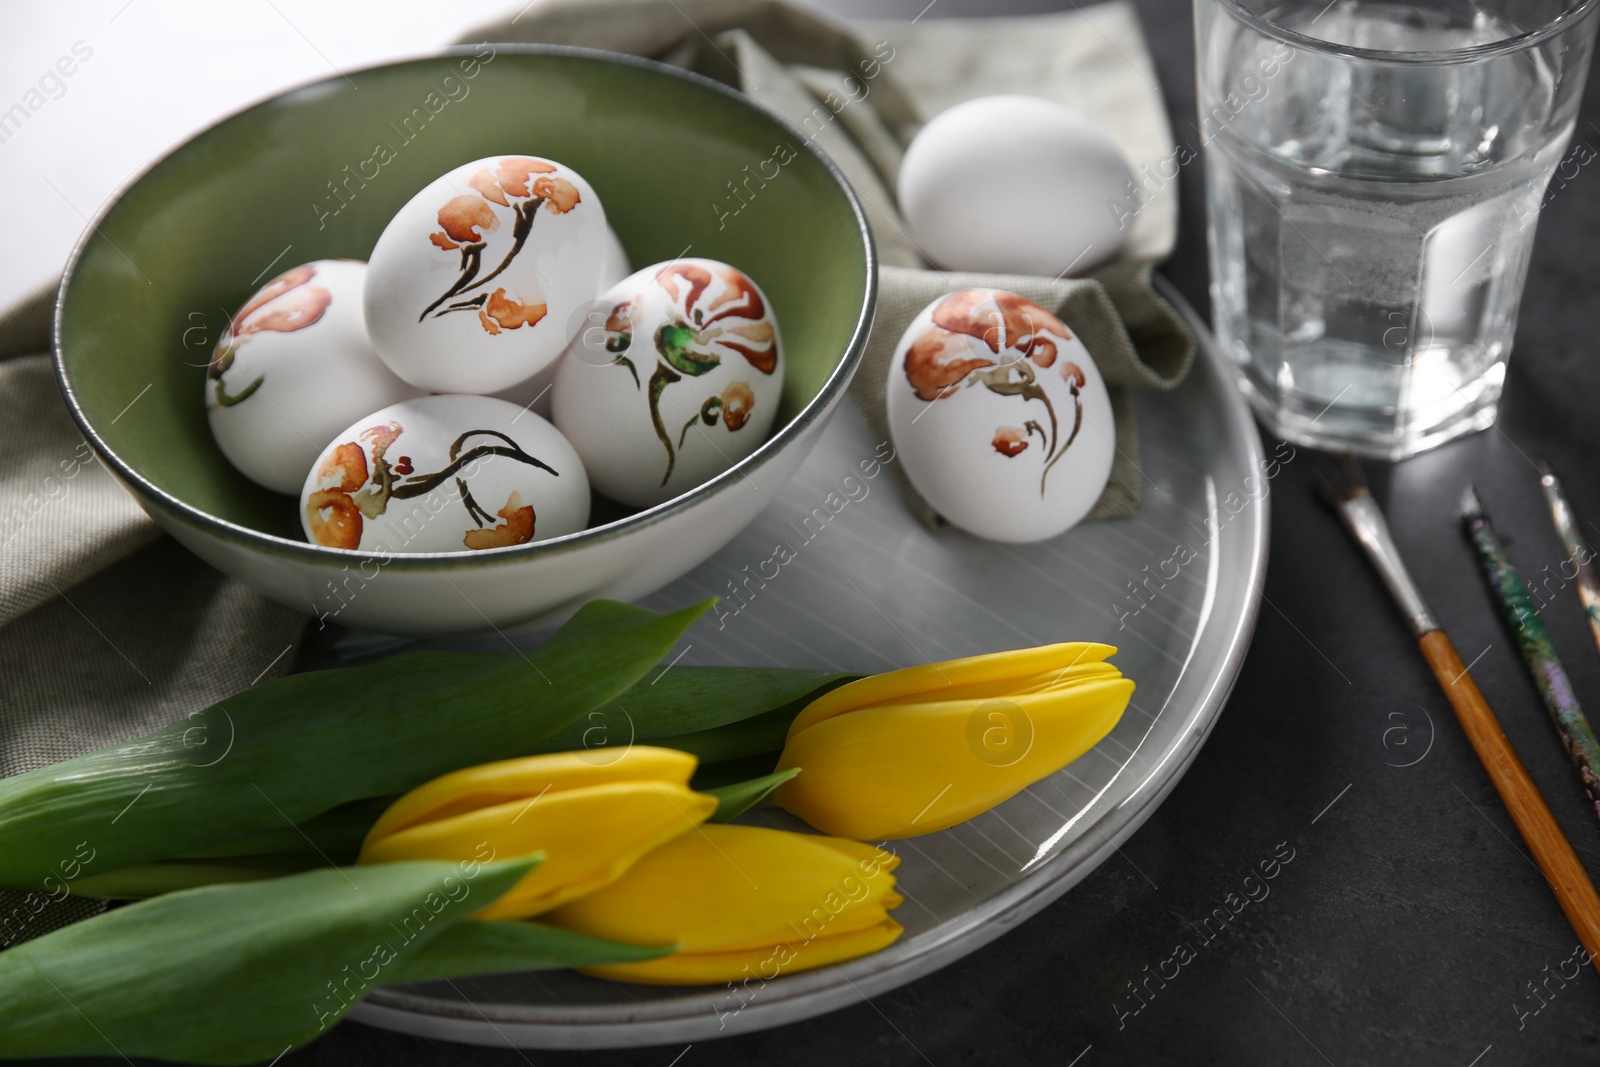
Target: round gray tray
[{"x": 870, "y": 589}]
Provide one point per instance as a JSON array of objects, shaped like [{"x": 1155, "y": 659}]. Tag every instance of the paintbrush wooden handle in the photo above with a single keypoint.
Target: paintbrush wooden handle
[{"x": 1551, "y": 851}]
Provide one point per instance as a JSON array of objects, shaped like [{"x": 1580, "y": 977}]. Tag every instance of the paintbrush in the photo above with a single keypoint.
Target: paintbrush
[
  {"x": 1567, "y": 526},
  {"x": 1537, "y": 651},
  {"x": 1346, "y": 491}
]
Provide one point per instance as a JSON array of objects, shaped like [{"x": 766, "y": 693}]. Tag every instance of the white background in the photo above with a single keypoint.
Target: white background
[{"x": 160, "y": 71}]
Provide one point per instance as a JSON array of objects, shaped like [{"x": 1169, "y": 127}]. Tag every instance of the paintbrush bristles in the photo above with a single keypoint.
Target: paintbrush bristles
[
  {"x": 1340, "y": 481},
  {"x": 1471, "y": 507}
]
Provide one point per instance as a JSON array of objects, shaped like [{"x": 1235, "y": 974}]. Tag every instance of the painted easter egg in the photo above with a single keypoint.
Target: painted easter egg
[
  {"x": 999, "y": 416},
  {"x": 677, "y": 381},
  {"x": 293, "y": 366},
  {"x": 473, "y": 284},
  {"x": 444, "y": 473},
  {"x": 1016, "y": 185}
]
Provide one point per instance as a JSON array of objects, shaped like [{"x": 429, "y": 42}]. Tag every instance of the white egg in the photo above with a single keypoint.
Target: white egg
[
  {"x": 534, "y": 393},
  {"x": 677, "y": 383},
  {"x": 474, "y": 283},
  {"x": 292, "y": 367},
  {"x": 445, "y": 474},
  {"x": 999, "y": 416},
  {"x": 1016, "y": 185}
]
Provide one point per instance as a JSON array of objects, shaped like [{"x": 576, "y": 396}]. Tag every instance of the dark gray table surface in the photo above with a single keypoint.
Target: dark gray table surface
[{"x": 1410, "y": 926}]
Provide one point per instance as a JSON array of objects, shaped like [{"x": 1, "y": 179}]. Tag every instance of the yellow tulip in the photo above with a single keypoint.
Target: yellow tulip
[
  {"x": 591, "y": 815},
  {"x": 742, "y": 902},
  {"x": 918, "y": 750}
]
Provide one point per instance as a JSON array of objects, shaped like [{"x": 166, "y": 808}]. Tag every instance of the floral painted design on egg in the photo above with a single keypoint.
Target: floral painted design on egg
[
  {"x": 1023, "y": 340},
  {"x": 294, "y": 368},
  {"x": 286, "y": 304},
  {"x": 350, "y": 490},
  {"x": 716, "y": 312},
  {"x": 517, "y": 182},
  {"x": 478, "y": 282},
  {"x": 676, "y": 376}
]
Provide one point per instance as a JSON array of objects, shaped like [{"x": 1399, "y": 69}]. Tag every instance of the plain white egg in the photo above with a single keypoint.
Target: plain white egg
[
  {"x": 534, "y": 393},
  {"x": 1016, "y": 185},
  {"x": 475, "y": 283},
  {"x": 999, "y": 416},
  {"x": 445, "y": 474},
  {"x": 293, "y": 366},
  {"x": 678, "y": 382}
]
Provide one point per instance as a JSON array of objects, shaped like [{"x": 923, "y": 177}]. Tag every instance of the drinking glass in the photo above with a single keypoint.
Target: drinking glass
[{"x": 1374, "y": 176}]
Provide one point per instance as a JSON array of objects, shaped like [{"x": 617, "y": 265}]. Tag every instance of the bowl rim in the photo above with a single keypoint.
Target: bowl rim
[{"x": 820, "y": 405}]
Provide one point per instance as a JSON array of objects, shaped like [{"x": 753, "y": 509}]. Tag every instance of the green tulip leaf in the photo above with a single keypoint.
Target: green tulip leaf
[
  {"x": 335, "y": 836},
  {"x": 676, "y": 701},
  {"x": 684, "y": 707},
  {"x": 288, "y": 750},
  {"x": 711, "y": 776},
  {"x": 169, "y": 876},
  {"x": 734, "y": 800},
  {"x": 737, "y": 740},
  {"x": 241, "y": 973},
  {"x": 490, "y": 947}
]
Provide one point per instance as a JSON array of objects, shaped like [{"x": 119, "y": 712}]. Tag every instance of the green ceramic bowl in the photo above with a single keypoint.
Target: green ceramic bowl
[{"x": 317, "y": 173}]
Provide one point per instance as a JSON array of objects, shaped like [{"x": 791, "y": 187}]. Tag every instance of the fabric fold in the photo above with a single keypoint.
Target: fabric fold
[{"x": 107, "y": 629}]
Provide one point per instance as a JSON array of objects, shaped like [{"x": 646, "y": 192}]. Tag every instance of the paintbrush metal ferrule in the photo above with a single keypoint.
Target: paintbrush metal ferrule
[
  {"x": 1366, "y": 522},
  {"x": 1551, "y": 851},
  {"x": 1578, "y": 551}
]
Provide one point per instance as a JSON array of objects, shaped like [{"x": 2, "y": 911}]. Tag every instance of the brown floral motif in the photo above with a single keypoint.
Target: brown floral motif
[
  {"x": 738, "y": 400},
  {"x": 349, "y": 491},
  {"x": 1020, "y": 338},
  {"x": 500, "y": 311},
  {"x": 333, "y": 512},
  {"x": 516, "y": 530},
  {"x": 1010, "y": 440},
  {"x": 294, "y": 306},
  {"x": 461, "y": 217},
  {"x": 716, "y": 312},
  {"x": 516, "y": 182}
]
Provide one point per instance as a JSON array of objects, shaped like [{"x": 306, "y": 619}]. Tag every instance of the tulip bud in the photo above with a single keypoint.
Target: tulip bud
[
  {"x": 591, "y": 815},
  {"x": 918, "y": 750},
  {"x": 742, "y": 902}
]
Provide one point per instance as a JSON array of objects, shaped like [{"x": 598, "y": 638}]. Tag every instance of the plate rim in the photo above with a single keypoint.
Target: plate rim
[{"x": 808, "y": 994}]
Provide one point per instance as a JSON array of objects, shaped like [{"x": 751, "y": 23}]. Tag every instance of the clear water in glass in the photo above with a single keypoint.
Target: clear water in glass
[{"x": 1371, "y": 223}]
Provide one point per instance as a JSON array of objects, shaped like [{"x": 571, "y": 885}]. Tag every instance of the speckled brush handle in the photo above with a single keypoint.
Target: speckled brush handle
[
  {"x": 1523, "y": 618},
  {"x": 1578, "y": 551}
]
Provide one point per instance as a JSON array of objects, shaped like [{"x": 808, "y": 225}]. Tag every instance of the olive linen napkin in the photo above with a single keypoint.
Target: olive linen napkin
[
  {"x": 860, "y": 93},
  {"x": 107, "y": 629}
]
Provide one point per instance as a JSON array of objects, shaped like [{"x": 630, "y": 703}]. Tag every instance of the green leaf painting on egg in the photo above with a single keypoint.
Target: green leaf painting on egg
[
  {"x": 716, "y": 311},
  {"x": 675, "y": 341}
]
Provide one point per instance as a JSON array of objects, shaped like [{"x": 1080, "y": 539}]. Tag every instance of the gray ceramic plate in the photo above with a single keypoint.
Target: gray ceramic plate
[{"x": 871, "y": 589}]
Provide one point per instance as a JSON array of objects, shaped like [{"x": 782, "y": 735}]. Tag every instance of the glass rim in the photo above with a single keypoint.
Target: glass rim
[{"x": 1573, "y": 14}]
